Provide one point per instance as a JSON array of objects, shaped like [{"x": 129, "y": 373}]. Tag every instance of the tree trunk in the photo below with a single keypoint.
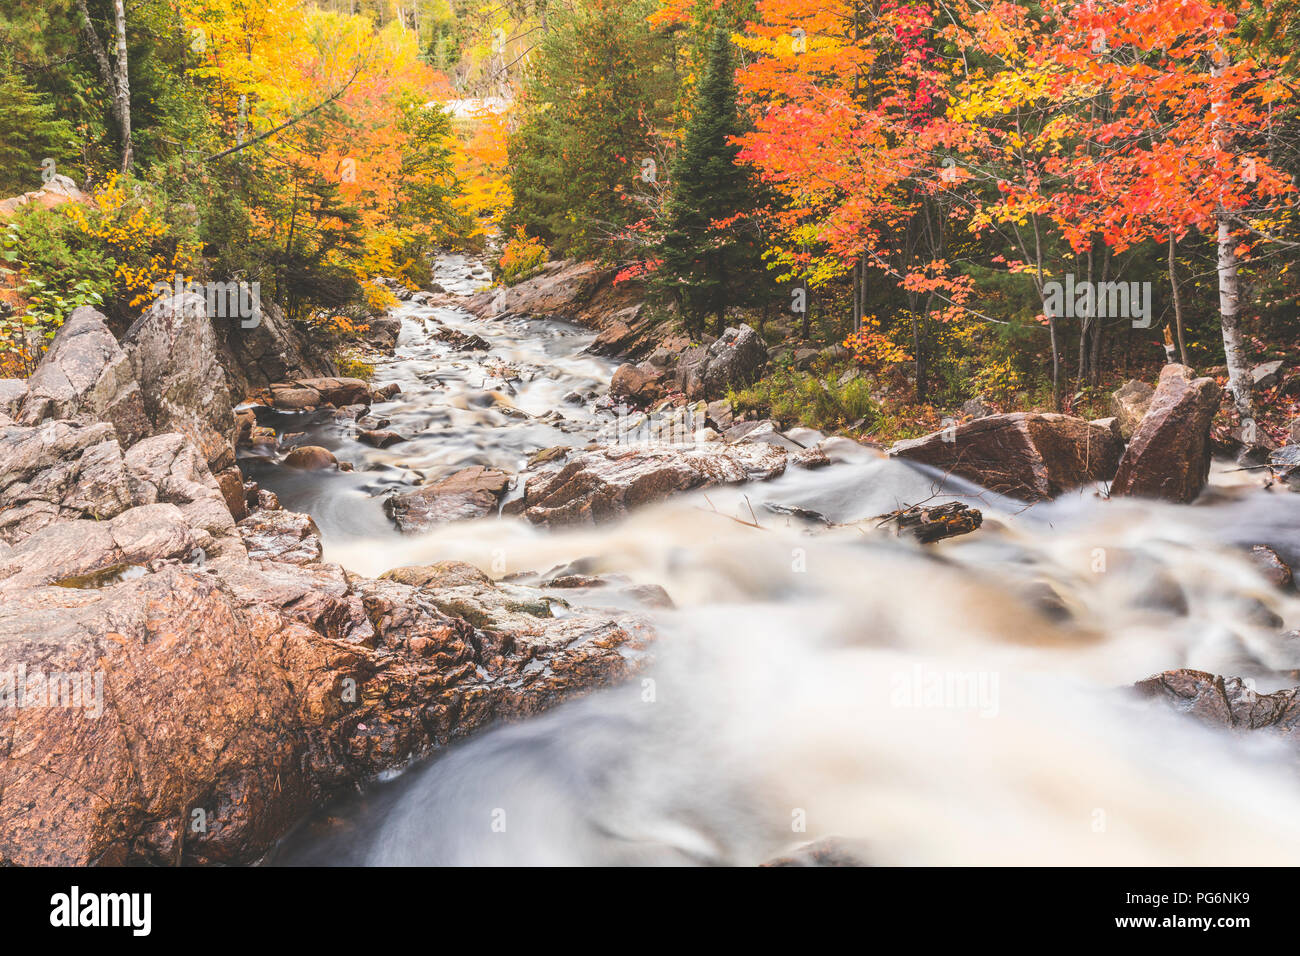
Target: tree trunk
[
  {"x": 1178, "y": 301},
  {"x": 114, "y": 74},
  {"x": 1234, "y": 349},
  {"x": 123, "y": 92}
]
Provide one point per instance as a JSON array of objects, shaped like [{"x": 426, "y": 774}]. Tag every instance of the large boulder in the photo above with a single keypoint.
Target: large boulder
[
  {"x": 202, "y": 712},
  {"x": 1169, "y": 454},
  {"x": 285, "y": 536},
  {"x": 603, "y": 485},
  {"x": 735, "y": 359},
  {"x": 74, "y": 551},
  {"x": 470, "y": 493},
  {"x": 1032, "y": 456},
  {"x": 558, "y": 290},
  {"x": 1129, "y": 403},
  {"x": 1226, "y": 702},
  {"x": 59, "y": 470},
  {"x": 86, "y": 377},
  {"x": 338, "y": 391},
  {"x": 169, "y": 469},
  {"x": 638, "y": 383},
  {"x": 175, "y": 355}
]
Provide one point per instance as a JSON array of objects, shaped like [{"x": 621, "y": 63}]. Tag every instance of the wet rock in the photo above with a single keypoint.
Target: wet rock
[
  {"x": 245, "y": 422},
  {"x": 311, "y": 458},
  {"x": 176, "y": 359},
  {"x": 337, "y": 391},
  {"x": 747, "y": 433},
  {"x": 1272, "y": 566},
  {"x": 1169, "y": 455},
  {"x": 795, "y": 511},
  {"x": 86, "y": 377},
  {"x": 649, "y": 595},
  {"x": 231, "y": 483},
  {"x": 639, "y": 383},
  {"x": 828, "y": 851},
  {"x": 385, "y": 392},
  {"x": 734, "y": 360},
  {"x": 558, "y": 290},
  {"x": 469, "y": 493},
  {"x": 1129, "y": 403},
  {"x": 1032, "y": 456},
  {"x": 603, "y": 485},
  {"x": 810, "y": 458},
  {"x": 255, "y": 692},
  {"x": 74, "y": 549},
  {"x": 59, "y": 470},
  {"x": 169, "y": 469},
  {"x": 280, "y": 535},
  {"x": 443, "y": 574},
  {"x": 379, "y": 438},
  {"x": 351, "y": 413},
  {"x": 1226, "y": 702},
  {"x": 384, "y": 331},
  {"x": 545, "y": 455},
  {"x": 291, "y": 397},
  {"x": 462, "y": 341}
]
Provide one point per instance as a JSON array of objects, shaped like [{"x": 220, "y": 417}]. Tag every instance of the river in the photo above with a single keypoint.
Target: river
[{"x": 961, "y": 703}]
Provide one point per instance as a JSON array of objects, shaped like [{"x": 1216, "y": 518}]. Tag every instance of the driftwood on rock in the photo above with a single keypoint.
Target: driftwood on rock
[{"x": 929, "y": 523}]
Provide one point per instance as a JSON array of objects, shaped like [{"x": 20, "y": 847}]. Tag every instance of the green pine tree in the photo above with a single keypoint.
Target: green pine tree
[
  {"x": 710, "y": 254},
  {"x": 32, "y": 131}
]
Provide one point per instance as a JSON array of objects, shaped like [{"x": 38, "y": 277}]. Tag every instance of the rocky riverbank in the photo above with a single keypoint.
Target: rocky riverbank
[{"x": 197, "y": 674}]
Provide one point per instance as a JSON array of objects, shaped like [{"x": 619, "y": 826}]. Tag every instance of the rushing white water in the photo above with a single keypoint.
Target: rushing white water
[{"x": 964, "y": 702}]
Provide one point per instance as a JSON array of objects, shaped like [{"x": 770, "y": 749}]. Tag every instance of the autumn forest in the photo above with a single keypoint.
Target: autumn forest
[{"x": 907, "y": 187}]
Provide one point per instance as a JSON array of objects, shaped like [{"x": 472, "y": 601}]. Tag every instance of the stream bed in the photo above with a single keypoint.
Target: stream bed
[{"x": 965, "y": 703}]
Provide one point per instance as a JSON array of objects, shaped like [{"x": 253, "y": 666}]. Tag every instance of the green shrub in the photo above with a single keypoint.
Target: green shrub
[{"x": 801, "y": 398}]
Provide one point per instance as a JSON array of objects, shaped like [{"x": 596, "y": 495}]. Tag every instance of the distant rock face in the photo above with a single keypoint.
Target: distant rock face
[
  {"x": 1129, "y": 403},
  {"x": 1169, "y": 454},
  {"x": 175, "y": 356},
  {"x": 272, "y": 350},
  {"x": 86, "y": 377},
  {"x": 1032, "y": 456},
  {"x": 470, "y": 493},
  {"x": 603, "y": 485}
]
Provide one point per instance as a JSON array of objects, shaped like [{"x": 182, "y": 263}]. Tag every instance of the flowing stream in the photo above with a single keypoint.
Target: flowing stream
[{"x": 959, "y": 703}]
